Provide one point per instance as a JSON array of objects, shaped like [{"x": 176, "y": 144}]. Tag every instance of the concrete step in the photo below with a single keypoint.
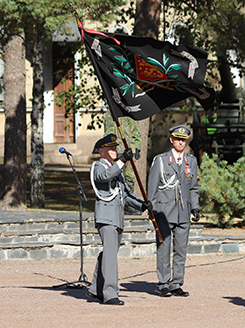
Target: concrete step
[
  {"x": 62, "y": 159},
  {"x": 52, "y": 154},
  {"x": 54, "y": 147},
  {"x": 46, "y": 234}
]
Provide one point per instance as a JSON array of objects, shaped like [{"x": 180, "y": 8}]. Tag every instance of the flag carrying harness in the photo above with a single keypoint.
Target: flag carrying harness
[{"x": 113, "y": 192}]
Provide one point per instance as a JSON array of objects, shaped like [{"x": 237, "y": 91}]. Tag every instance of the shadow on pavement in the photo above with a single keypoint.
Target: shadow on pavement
[
  {"x": 140, "y": 287},
  {"x": 236, "y": 300}
]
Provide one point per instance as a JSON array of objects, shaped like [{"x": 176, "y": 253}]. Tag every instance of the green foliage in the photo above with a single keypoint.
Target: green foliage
[
  {"x": 214, "y": 25},
  {"x": 29, "y": 15},
  {"x": 49, "y": 16},
  {"x": 125, "y": 14},
  {"x": 222, "y": 191}
]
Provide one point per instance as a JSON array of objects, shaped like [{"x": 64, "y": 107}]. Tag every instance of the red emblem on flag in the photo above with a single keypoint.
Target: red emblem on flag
[{"x": 146, "y": 71}]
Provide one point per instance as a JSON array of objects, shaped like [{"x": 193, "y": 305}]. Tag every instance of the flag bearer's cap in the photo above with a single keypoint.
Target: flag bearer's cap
[
  {"x": 108, "y": 141},
  {"x": 180, "y": 131}
]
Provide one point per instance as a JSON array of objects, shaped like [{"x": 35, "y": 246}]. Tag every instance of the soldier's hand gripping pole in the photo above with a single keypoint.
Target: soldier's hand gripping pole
[{"x": 140, "y": 183}]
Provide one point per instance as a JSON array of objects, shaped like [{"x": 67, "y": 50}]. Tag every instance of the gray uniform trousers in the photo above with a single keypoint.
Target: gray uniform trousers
[
  {"x": 109, "y": 221},
  {"x": 180, "y": 234},
  {"x": 105, "y": 278}
]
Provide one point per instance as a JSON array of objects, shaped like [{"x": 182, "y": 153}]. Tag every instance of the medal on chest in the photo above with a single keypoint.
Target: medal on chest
[{"x": 188, "y": 169}]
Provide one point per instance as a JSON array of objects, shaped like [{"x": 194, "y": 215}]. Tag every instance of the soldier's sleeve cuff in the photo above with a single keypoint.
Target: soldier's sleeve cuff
[{"x": 120, "y": 164}]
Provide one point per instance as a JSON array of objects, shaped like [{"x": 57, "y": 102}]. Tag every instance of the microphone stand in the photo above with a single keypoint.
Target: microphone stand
[{"x": 83, "y": 278}]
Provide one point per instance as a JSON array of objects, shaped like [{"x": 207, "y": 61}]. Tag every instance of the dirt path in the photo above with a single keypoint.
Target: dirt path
[{"x": 215, "y": 283}]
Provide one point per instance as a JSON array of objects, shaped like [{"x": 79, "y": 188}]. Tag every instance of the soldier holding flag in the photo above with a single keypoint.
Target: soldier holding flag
[
  {"x": 111, "y": 194},
  {"x": 140, "y": 77}
]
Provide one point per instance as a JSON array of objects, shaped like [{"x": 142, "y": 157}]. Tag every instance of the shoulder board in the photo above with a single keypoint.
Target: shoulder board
[
  {"x": 164, "y": 154},
  {"x": 105, "y": 164},
  {"x": 156, "y": 158},
  {"x": 160, "y": 155},
  {"x": 190, "y": 155}
]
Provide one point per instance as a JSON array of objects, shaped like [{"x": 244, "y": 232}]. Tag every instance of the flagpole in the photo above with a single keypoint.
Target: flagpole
[
  {"x": 139, "y": 182},
  {"x": 110, "y": 103}
]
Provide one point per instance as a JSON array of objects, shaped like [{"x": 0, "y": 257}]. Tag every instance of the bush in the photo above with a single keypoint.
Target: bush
[{"x": 222, "y": 191}]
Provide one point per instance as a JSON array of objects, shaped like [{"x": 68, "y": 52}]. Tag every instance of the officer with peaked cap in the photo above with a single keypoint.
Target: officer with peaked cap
[
  {"x": 180, "y": 131},
  {"x": 109, "y": 140},
  {"x": 174, "y": 193},
  {"x": 111, "y": 194}
]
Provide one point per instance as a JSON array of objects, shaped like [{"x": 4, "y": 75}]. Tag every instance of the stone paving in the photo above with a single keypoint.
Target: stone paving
[
  {"x": 30, "y": 297},
  {"x": 46, "y": 234}
]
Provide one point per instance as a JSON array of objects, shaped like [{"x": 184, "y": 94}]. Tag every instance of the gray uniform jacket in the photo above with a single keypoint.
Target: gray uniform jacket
[
  {"x": 105, "y": 177},
  {"x": 173, "y": 193}
]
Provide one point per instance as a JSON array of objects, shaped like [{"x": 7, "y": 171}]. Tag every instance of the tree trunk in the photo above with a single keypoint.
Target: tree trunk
[
  {"x": 141, "y": 164},
  {"x": 13, "y": 191},
  {"x": 147, "y": 21},
  {"x": 37, "y": 150},
  {"x": 147, "y": 18}
]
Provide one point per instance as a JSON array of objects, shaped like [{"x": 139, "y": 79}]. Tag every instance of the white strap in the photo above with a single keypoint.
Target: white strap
[
  {"x": 170, "y": 184},
  {"x": 167, "y": 184},
  {"x": 113, "y": 192}
]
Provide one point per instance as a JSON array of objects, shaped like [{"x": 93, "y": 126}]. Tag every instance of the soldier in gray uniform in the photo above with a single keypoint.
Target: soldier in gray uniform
[
  {"x": 132, "y": 135},
  {"x": 174, "y": 193},
  {"x": 111, "y": 194}
]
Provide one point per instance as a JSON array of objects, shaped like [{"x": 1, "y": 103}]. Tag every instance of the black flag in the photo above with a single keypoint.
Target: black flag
[{"x": 142, "y": 76}]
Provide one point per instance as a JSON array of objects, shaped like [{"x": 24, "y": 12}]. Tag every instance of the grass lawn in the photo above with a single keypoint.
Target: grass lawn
[{"x": 61, "y": 191}]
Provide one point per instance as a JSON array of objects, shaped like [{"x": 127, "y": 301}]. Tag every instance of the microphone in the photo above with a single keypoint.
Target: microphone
[{"x": 62, "y": 150}]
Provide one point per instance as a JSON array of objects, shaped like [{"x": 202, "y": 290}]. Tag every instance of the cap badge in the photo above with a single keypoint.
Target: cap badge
[
  {"x": 181, "y": 130},
  {"x": 113, "y": 138}
]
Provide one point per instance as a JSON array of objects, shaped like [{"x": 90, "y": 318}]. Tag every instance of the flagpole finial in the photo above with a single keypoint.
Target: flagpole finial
[
  {"x": 73, "y": 11},
  {"x": 79, "y": 24}
]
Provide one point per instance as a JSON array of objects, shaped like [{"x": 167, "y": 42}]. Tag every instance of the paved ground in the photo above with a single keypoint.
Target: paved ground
[{"x": 215, "y": 283}]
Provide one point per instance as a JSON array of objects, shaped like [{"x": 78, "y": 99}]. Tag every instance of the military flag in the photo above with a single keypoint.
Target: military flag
[{"x": 141, "y": 76}]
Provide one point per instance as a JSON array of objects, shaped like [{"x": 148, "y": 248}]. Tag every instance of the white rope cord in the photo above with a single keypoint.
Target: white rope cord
[
  {"x": 113, "y": 192},
  {"x": 167, "y": 184},
  {"x": 170, "y": 184}
]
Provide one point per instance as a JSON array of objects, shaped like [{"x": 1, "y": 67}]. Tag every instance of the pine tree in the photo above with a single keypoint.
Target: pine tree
[{"x": 39, "y": 19}]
